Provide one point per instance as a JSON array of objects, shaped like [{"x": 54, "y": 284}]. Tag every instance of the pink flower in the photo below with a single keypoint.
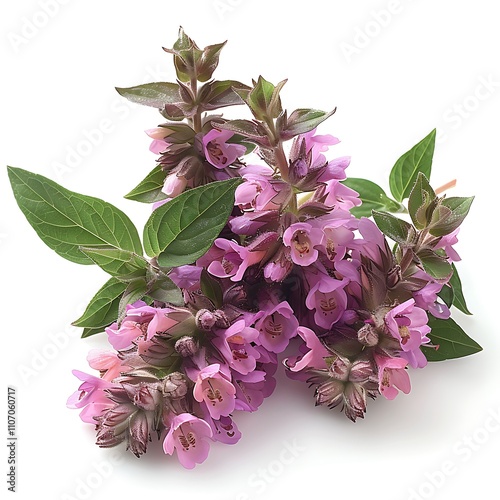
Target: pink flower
[
  {"x": 276, "y": 326},
  {"x": 408, "y": 324},
  {"x": 317, "y": 144},
  {"x": 447, "y": 242},
  {"x": 302, "y": 239},
  {"x": 90, "y": 396},
  {"x": 123, "y": 336},
  {"x": 158, "y": 135},
  {"x": 327, "y": 298},
  {"x": 188, "y": 436},
  {"x": 227, "y": 259},
  {"x": 314, "y": 357},
  {"x": 174, "y": 185},
  {"x": 106, "y": 362},
  {"x": 215, "y": 390},
  {"x": 427, "y": 298},
  {"x": 235, "y": 345},
  {"x": 217, "y": 151},
  {"x": 392, "y": 376}
]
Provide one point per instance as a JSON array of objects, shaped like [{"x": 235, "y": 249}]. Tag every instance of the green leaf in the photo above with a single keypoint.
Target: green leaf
[
  {"x": 372, "y": 196},
  {"x": 458, "y": 296},
  {"x": 435, "y": 265},
  {"x": 302, "y": 121},
  {"x": 103, "y": 308},
  {"x": 88, "y": 332},
  {"x": 421, "y": 202},
  {"x": 453, "y": 342},
  {"x": 66, "y": 221},
  {"x": 397, "y": 229},
  {"x": 246, "y": 128},
  {"x": 211, "y": 289},
  {"x": 165, "y": 290},
  {"x": 134, "y": 291},
  {"x": 264, "y": 100},
  {"x": 149, "y": 190},
  {"x": 122, "y": 264},
  {"x": 449, "y": 214},
  {"x": 447, "y": 295},
  {"x": 209, "y": 61},
  {"x": 182, "y": 230},
  {"x": 219, "y": 94},
  {"x": 155, "y": 94},
  {"x": 418, "y": 159}
]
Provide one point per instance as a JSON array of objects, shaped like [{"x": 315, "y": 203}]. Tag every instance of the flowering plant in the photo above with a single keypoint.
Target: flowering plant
[{"x": 257, "y": 243}]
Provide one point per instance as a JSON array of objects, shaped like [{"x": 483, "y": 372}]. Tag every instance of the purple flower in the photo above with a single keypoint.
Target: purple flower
[
  {"x": 392, "y": 376},
  {"x": 188, "y": 436},
  {"x": 215, "y": 390},
  {"x": 235, "y": 345},
  {"x": 90, "y": 396},
  {"x": 276, "y": 326},
  {"x": 218, "y": 152},
  {"x": 315, "y": 355},
  {"x": 302, "y": 238},
  {"x": 427, "y": 298},
  {"x": 447, "y": 242},
  {"x": 327, "y": 298},
  {"x": 159, "y": 135},
  {"x": 408, "y": 324}
]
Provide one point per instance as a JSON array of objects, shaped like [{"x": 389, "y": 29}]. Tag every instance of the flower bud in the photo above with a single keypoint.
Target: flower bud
[
  {"x": 174, "y": 385},
  {"x": 205, "y": 319},
  {"x": 144, "y": 395},
  {"x": 186, "y": 346},
  {"x": 355, "y": 401},
  {"x": 330, "y": 393},
  {"x": 361, "y": 371},
  {"x": 368, "y": 335},
  {"x": 339, "y": 367},
  {"x": 138, "y": 434}
]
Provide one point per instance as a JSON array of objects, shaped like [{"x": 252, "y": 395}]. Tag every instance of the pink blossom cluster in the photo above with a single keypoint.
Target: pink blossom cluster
[{"x": 297, "y": 272}]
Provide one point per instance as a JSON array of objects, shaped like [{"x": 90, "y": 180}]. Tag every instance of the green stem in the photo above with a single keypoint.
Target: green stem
[{"x": 196, "y": 120}]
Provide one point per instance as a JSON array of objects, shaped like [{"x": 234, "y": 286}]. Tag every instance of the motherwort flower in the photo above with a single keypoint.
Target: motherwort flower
[
  {"x": 188, "y": 436},
  {"x": 258, "y": 244},
  {"x": 218, "y": 151},
  {"x": 408, "y": 324},
  {"x": 215, "y": 390}
]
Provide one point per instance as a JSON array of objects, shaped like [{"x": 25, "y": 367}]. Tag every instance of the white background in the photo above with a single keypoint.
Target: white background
[{"x": 422, "y": 66}]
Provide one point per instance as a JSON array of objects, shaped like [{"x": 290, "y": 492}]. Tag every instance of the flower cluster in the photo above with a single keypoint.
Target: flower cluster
[{"x": 260, "y": 250}]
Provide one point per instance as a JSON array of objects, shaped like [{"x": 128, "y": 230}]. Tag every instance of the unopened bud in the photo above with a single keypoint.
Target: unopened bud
[
  {"x": 330, "y": 393},
  {"x": 362, "y": 370},
  {"x": 339, "y": 367},
  {"x": 138, "y": 434},
  {"x": 355, "y": 401},
  {"x": 144, "y": 395},
  {"x": 368, "y": 335},
  {"x": 205, "y": 319},
  {"x": 174, "y": 385},
  {"x": 186, "y": 346}
]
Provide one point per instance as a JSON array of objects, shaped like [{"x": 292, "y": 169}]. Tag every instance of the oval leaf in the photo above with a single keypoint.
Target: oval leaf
[
  {"x": 453, "y": 342},
  {"x": 149, "y": 190},
  {"x": 122, "y": 264},
  {"x": 372, "y": 196},
  {"x": 65, "y": 220},
  {"x": 418, "y": 159},
  {"x": 155, "y": 95},
  {"x": 103, "y": 308},
  {"x": 458, "y": 295},
  {"x": 182, "y": 230},
  {"x": 397, "y": 229}
]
